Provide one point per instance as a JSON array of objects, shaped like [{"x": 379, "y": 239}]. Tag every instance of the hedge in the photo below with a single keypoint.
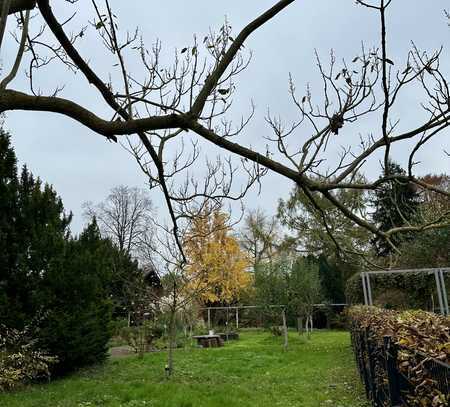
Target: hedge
[
  {"x": 407, "y": 291},
  {"x": 418, "y": 345}
]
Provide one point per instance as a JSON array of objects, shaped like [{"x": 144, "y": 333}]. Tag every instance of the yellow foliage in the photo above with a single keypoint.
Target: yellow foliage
[{"x": 217, "y": 265}]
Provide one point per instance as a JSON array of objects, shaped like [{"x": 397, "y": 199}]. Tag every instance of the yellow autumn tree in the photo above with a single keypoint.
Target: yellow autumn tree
[{"x": 217, "y": 270}]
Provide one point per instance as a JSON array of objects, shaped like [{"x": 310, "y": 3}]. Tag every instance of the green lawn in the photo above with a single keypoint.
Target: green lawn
[{"x": 253, "y": 371}]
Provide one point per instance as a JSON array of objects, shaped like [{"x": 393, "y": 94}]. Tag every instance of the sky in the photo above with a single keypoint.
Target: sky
[{"x": 83, "y": 166}]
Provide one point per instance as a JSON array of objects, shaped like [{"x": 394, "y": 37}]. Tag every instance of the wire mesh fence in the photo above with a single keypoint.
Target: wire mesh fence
[{"x": 384, "y": 373}]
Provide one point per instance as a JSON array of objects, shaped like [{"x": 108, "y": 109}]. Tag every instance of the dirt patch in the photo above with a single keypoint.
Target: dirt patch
[{"x": 120, "y": 351}]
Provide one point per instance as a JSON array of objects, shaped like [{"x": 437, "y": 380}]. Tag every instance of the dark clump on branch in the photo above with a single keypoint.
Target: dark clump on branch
[{"x": 336, "y": 123}]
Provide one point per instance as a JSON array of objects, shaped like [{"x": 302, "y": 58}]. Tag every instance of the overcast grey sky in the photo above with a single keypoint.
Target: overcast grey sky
[{"x": 82, "y": 166}]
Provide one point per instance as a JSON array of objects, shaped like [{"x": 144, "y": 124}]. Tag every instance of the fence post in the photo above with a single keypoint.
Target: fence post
[
  {"x": 439, "y": 291},
  {"x": 369, "y": 289},
  {"x": 285, "y": 330},
  {"x": 370, "y": 356},
  {"x": 444, "y": 292},
  {"x": 363, "y": 282},
  {"x": 392, "y": 372}
]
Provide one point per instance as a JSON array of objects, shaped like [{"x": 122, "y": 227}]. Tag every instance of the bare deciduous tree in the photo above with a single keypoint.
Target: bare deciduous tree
[
  {"x": 190, "y": 99},
  {"x": 259, "y": 236},
  {"x": 125, "y": 216}
]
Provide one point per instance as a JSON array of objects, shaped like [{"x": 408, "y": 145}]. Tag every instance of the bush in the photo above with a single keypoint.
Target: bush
[
  {"x": 117, "y": 325},
  {"x": 141, "y": 338},
  {"x": 417, "y": 288},
  {"x": 338, "y": 321},
  {"x": 77, "y": 336},
  {"x": 276, "y": 330},
  {"x": 418, "y": 338},
  {"x": 392, "y": 299},
  {"x": 20, "y": 360},
  {"x": 75, "y": 295}
]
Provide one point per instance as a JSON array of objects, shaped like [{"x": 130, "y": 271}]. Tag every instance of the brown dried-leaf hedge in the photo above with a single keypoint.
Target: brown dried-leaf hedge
[{"x": 420, "y": 337}]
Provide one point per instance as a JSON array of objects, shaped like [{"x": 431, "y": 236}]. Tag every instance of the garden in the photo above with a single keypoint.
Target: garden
[
  {"x": 191, "y": 257},
  {"x": 253, "y": 371}
]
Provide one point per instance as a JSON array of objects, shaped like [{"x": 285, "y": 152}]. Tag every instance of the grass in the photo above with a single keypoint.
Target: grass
[{"x": 253, "y": 371}]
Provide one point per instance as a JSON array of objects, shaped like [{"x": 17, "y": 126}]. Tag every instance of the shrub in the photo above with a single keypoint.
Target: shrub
[
  {"x": 276, "y": 330},
  {"x": 417, "y": 288},
  {"x": 76, "y": 296},
  {"x": 77, "y": 336},
  {"x": 141, "y": 338},
  {"x": 20, "y": 360},
  {"x": 338, "y": 321},
  {"x": 418, "y": 337},
  {"x": 117, "y": 325},
  {"x": 392, "y": 299}
]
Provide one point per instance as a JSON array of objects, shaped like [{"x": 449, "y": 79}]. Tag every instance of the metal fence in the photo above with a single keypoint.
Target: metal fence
[{"x": 386, "y": 385}]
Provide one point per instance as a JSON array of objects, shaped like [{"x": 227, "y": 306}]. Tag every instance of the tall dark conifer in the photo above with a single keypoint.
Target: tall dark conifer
[
  {"x": 396, "y": 203},
  {"x": 8, "y": 215},
  {"x": 75, "y": 283},
  {"x": 76, "y": 293},
  {"x": 331, "y": 281}
]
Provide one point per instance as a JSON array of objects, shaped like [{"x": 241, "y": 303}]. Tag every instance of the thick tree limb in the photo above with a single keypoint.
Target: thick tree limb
[
  {"x": 58, "y": 32},
  {"x": 20, "y": 5},
  {"x": 246, "y": 152},
  {"x": 5, "y": 6},
  {"x": 14, "y": 100}
]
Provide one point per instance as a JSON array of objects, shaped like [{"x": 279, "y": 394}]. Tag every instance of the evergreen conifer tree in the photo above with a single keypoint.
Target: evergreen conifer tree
[{"x": 396, "y": 203}]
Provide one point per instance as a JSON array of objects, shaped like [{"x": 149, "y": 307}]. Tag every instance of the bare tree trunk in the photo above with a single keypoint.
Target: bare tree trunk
[
  {"x": 300, "y": 325},
  {"x": 141, "y": 341},
  {"x": 285, "y": 331},
  {"x": 309, "y": 326},
  {"x": 172, "y": 344},
  {"x": 185, "y": 325}
]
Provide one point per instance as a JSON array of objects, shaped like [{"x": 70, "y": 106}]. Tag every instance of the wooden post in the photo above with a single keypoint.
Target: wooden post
[
  {"x": 237, "y": 318},
  {"x": 283, "y": 314},
  {"x": 227, "y": 323},
  {"x": 209, "y": 318}
]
